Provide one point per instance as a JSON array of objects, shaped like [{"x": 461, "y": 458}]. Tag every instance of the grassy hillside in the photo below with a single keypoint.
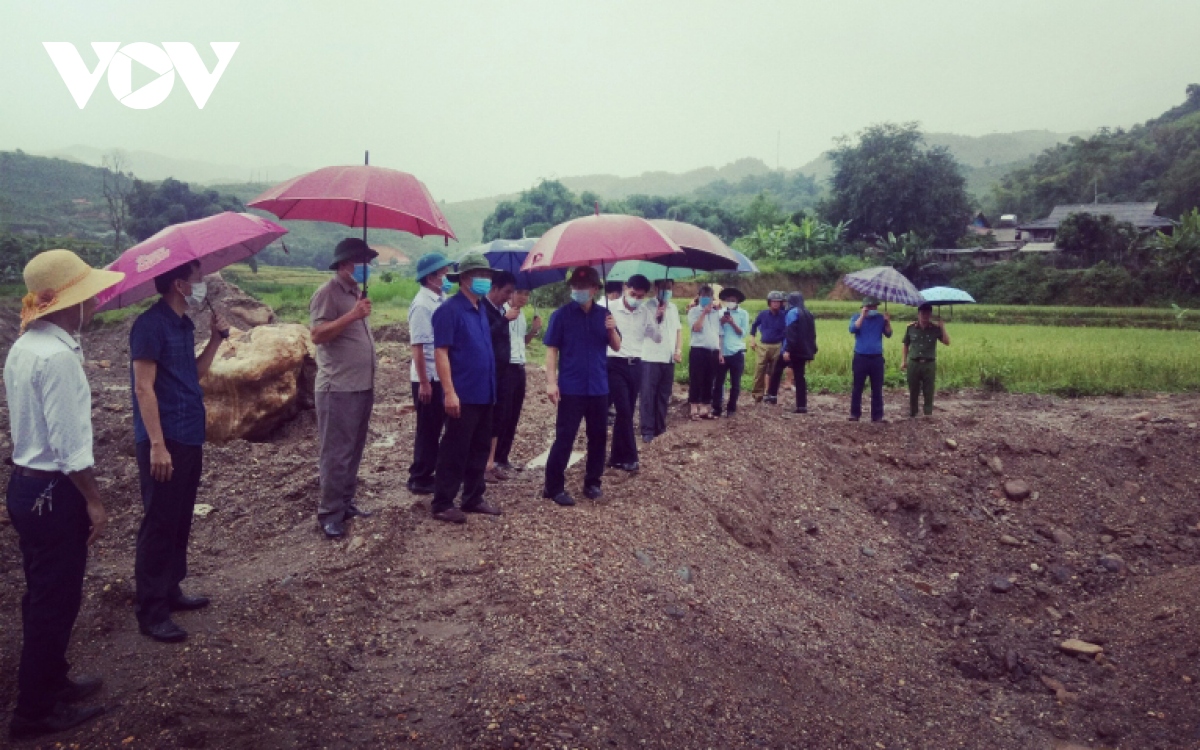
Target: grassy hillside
[{"x": 50, "y": 196}]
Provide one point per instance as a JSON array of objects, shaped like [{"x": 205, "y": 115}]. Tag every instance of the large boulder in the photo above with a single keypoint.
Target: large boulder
[
  {"x": 239, "y": 309},
  {"x": 260, "y": 379}
]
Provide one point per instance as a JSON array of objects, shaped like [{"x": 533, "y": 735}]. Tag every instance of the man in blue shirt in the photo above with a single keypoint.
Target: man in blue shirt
[
  {"x": 466, "y": 367},
  {"x": 579, "y": 333},
  {"x": 168, "y": 426},
  {"x": 734, "y": 322},
  {"x": 770, "y": 323},
  {"x": 799, "y": 347},
  {"x": 868, "y": 327}
]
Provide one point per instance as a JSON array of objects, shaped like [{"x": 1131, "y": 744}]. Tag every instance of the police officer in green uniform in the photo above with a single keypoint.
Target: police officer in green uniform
[{"x": 920, "y": 357}]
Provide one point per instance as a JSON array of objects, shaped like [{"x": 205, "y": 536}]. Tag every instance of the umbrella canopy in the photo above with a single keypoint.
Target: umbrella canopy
[
  {"x": 387, "y": 198},
  {"x": 946, "y": 295},
  {"x": 885, "y": 283},
  {"x": 508, "y": 255},
  {"x": 745, "y": 265},
  {"x": 702, "y": 250},
  {"x": 622, "y": 270},
  {"x": 599, "y": 240},
  {"x": 216, "y": 241}
]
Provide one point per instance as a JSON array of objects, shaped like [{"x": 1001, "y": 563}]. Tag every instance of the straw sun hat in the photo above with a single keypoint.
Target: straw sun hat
[{"x": 58, "y": 279}]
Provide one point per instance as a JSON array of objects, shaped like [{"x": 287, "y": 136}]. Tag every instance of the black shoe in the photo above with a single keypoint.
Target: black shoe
[
  {"x": 61, "y": 718},
  {"x": 853, "y": 419},
  {"x": 450, "y": 515},
  {"x": 77, "y": 690},
  {"x": 188, "y": 603},
  {"x": 509, "y": 467},
  {"x": 562, "y": 499},
  {"x": 631, "y": 467},
  {"x": 484, "y": 507},
  {"x": 801, "y": 410},
  {"x": 647, "y": 438},
  {"x": 165, "y": 632},
  {"x": 333, "y": 529},
  {"x": 420, "y": 489},
  {"x": 771, "y": 400},
  {"x": 593, "y": 492},
  {"x": 353, "y": 511}
]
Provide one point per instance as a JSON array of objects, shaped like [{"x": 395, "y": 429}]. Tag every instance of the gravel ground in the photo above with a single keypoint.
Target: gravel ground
[{"x": 771, "y": 580}]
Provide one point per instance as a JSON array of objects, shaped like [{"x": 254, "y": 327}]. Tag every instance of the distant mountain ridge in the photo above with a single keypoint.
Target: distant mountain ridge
[{"x": 146, "y": 165}]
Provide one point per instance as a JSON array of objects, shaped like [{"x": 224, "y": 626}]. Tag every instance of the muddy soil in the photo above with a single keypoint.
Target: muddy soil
[{"x": 770, "y": 580}]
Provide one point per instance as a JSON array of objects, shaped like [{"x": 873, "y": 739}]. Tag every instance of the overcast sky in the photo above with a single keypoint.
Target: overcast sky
[{"x": 483, "y": 97}]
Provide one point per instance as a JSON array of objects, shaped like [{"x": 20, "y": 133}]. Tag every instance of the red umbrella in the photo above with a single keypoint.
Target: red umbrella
[
  {"x": 702, "y": 250},
  {"x": 215, "y": 241},
  {"x": 599, "y": 240},
  {"x": 388, "y": 198}
]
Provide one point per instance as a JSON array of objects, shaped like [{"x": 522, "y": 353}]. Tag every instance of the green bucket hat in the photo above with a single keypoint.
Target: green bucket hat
[
  {"x": 471, "y": 262},
  {"x": 352, "y": 248},
  {"x": 870, "y": 302}
]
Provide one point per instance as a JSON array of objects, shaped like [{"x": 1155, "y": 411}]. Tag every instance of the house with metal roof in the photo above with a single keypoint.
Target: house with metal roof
[{"x": 1144, "y": 216}]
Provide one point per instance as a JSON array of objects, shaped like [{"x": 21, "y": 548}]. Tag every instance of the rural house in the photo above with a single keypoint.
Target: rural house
[{"x": 1144, "y": 216}]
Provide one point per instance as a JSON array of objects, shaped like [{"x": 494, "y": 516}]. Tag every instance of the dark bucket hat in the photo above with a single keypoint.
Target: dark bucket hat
[{"x": 353, "y": 249}]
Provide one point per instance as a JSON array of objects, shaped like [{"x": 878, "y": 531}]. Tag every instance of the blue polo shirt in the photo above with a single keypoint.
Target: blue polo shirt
[
  {"x": 772, "y": 326},
  {"x": 582, "y": 343},
  {"x": 169, "y": 341},
  {"x": 462, "y": 328},
  {"x": 869, "y": 338}
]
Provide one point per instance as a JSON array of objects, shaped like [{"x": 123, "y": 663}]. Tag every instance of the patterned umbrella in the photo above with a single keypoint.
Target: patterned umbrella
[
  {"x": 885, "y": 283},
  {"x": 946, "y": 295}
]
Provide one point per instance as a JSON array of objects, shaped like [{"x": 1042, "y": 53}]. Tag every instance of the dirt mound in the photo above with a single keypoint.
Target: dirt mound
[{"x": 765, "y": 581}]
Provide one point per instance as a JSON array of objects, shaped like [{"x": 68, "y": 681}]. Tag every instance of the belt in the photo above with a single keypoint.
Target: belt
[
  {"x": 22, "y": 471},
  {"x": 924, "y": 359},
  {"x": 517, "y": 364},
  {"x": 629, "y": 360},
  {"x": 860, "y": 354}
]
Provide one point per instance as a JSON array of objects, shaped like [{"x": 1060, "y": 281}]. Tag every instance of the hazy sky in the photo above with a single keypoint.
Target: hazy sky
[{"x": 477, "y": 98}]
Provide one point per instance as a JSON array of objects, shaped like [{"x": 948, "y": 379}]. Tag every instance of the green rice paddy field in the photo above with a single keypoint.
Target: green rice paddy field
[{"x": 1069, "y": 351}]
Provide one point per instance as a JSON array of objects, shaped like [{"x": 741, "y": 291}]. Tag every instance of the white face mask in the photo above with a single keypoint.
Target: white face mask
[
  {"x": 730, "y": 305},
  {"x": 632, "y": 301},
  {"x": 199, "y": 292}
]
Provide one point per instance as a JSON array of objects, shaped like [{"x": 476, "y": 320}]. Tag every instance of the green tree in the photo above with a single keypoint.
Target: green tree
[
  {"x": 1179, "y": 252},
  {"x": 1093, "y": 239},
  {"x": 763, "y": 211},
  {"x": 547, "y": 204},
  {"x": 890, "y": 182},
  {"x": 155, "y": 206}
]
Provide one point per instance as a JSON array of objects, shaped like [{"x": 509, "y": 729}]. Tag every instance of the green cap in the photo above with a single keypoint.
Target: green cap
[
  {"x": 470, "y": 262},
  {"x": 870, "y": 302}
]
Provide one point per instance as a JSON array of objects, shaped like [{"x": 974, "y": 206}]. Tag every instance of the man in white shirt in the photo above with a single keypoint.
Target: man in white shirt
[
  {"x": 512, "y": 388},
  {"x": 637, "y": 322},
  {"x": 658, "y": 363},
  {"x": 53, "y": 498},
  {"x": 426, "y": 390}
]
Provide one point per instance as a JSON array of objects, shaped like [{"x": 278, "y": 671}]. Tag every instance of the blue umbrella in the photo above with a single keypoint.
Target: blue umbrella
[
  {"x": 508, "y": 255},
  {"x": 946, "y": 295},
  {"x": 745, "y": 265}
]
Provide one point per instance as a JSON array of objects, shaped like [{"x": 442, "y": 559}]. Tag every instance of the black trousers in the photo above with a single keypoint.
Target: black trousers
[
  {"x": 51, "y": 521},
  {"x": 735, "y": 365},
  {"x": 500, "y": 409},
  {"x": 798, "y": 366},
  {"x": 702, "y": 373},
  {"x": 431, "y": 418},
  {"x": 593, "y": 411},
  {"x": 462, "y": 458},
  {"x": 657, "y": 380},
  {"x": 867, "y": 367},
  {"x": 160, "y": 564},
  {"x": 775, "y": 378},
  {"x": 624, "y": 384},
  {"x": 512, "y": 395}
]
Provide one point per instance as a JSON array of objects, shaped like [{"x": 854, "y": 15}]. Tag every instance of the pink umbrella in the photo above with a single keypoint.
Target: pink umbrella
[
  {"x": 599, "y": 240},
  {"x": 215, "y": 241},
  {"x": 703, "y": 250}
]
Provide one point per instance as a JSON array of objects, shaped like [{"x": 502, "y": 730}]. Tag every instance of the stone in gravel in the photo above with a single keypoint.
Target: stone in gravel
[
  {"x": 812, "y": 528},
  {"x": 939, "y": 522},
  {"x": 1112, "y": 563},
  {"x": 685, "y": 574},
  {"x": 1185, "y": 544},
  {"x": 996, "y": 465},
  {"x": 1076, "y": 646},
  {"x": 355, "y": 544},
  {"x": 1141, "y": 416},
  {"x": 1063, "y": 537},
  {"x": 1016, "y": 489},
  {"x": 1011, "y": 541},
  {"x": 644, "y": 557},
  {"x": 1002, "y": 585},
  {"x": 951, "y": 443},
  {"x": 1060, "y": 573},
  {"x": 675, "y": 612},
  {"x": 1106, "y": 539},
  {"x": 868, "y": 551}
]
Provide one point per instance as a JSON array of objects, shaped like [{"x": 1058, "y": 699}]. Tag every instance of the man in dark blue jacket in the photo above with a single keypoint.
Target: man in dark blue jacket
[{"x": 868, "y": 327}]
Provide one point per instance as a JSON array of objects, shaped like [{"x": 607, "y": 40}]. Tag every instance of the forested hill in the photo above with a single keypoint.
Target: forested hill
[{"x": 1156, "y": 161}]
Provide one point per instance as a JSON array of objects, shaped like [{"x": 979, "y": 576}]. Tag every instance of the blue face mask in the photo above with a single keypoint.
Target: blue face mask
[
  {"x": 362, "y": 272},
  {"x": 481, "y": 286},
  {"x": 582, "y": 296},
  {"x": 666, "y": 296},
  {"x": 446, "y": 285},
  {"x": 705, "y": 301}
]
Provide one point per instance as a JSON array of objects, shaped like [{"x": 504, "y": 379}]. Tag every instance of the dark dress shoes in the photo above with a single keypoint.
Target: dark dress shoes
[
  {"x": 450, "y": 515},
  {"x": 165, "y": 632},
  {"x": 563, "y": 499},
  {"x": 188, "y": 603},
  {"x": 353, "y": 511},
  {"x": 333, "y": 529},
  {"x": 420, "y": 489},
  {"x": 483, "y": 507},
  {"x": 593, "y": 492},
  {"x": 77, "y": 690},
  {"x": 631, "y": 466},
  {"x": 61, "y": 718}
]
